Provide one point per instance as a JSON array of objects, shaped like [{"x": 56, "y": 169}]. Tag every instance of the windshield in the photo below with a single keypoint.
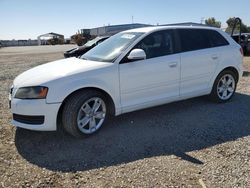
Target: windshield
[
  {"x": 92, "y": 42},
  {"x": 111, "y": 48}
]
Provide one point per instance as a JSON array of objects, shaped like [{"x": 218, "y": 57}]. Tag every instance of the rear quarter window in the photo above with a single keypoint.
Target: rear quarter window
[
  {"x": 216, "y": 39},
  {"x": 198, "y": 39}
]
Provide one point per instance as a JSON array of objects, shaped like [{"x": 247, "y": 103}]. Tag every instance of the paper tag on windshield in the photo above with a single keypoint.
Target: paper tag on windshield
[{"x": 127, "y": 36}]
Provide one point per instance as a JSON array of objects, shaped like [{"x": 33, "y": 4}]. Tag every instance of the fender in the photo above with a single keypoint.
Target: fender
[
  {"x": 223, "y": 65},
  {"x": 60, "y": 89}
]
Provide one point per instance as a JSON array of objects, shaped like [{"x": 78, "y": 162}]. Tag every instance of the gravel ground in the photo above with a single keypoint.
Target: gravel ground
[{"x": 192, "y": 143}]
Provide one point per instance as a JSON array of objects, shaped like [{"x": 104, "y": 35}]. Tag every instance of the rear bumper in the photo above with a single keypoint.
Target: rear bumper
[
  {"x": 34, "y": 114},
  {"x": 240, "y": 70}
]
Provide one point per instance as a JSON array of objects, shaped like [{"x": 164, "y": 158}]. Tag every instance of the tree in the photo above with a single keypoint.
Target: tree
[
  {"x": 230, "y": 23},
  {"x": 213, "y": 22},
  {"x": 248, "y": 29},
  {"x": 78, "y": 39}
]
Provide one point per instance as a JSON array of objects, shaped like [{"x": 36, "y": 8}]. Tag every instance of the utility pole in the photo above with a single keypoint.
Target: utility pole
[
  {"x": 132, "y": 19},
  {"x": 202, "y": 20}
]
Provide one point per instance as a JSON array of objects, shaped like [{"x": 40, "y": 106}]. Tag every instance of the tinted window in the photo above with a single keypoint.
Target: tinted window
[
  {"x": 157, "y": 44},
  {"x": 216, "y": 39},
  {"x": 197, "y": 39},
  {"x": 193, "y": 39}
]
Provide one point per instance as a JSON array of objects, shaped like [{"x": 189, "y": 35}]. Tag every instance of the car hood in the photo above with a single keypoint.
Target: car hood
[
  {"x": 83, "y": 47},
  {"x": 54, "y": 70}
]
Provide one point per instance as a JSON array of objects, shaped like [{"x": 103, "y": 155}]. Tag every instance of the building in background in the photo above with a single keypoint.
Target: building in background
[
  {"x": 113, "y": 29},
  {"x": 185, "y": 24},
  {"x": 50, "y": 39},
  {"x": 45, "y": 39},
  {"x": 83, "y": 35},
  {"x": 85, "y": 31},
  {"x": 6, "y": 43}
]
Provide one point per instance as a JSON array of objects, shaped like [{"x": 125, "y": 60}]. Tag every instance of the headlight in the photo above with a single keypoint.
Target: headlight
[{"x": 37, "y": 92}]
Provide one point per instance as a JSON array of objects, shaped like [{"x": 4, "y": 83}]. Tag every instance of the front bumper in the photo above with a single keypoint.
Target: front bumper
[{"x": 34, "y": 108}]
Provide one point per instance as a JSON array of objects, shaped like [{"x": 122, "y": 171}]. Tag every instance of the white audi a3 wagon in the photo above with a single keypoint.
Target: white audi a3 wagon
[{"x": 131, "y": 70}]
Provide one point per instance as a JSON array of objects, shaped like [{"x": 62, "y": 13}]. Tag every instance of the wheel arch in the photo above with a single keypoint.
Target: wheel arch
[
  {"x": 107, "y": 96},
  {"x": 214, "y": 96},
  {"x": 234, "y": 70},
  {"x": 231, "y": 68}
]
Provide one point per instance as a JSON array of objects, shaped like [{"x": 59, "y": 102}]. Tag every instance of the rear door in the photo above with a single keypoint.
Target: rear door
[{"x": 199, "y": 60}]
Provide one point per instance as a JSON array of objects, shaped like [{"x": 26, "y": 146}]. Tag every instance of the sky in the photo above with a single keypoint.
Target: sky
[{"x": 27, "y": 19}]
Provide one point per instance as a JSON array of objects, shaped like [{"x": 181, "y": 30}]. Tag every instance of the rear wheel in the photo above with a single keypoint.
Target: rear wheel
[
  {"x": 84, "y": 113},
  {"x": 224, "y": 87}
]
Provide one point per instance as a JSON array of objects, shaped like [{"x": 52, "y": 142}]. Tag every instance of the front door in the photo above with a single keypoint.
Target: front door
[{"x": 154, "y": 80}]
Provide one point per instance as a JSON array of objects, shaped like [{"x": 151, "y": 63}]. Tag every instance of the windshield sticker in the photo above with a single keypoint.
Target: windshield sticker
[{"x": 128, "y": 36}]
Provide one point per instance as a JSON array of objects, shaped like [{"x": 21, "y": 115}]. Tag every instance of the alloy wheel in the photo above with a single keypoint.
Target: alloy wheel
[
  {"x": 226, "y": 87},
  {"x": 91, "y": 115}
]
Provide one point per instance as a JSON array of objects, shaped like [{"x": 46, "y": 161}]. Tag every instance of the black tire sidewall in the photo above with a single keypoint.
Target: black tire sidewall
[
  {"x": 214, "y": 94},
  {"x": 71, "y": 109}
]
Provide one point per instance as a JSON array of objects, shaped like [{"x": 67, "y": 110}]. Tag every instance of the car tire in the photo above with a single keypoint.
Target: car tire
[
  {"x": 224, "y": 87},
  {"x": 84, "y": 113}
]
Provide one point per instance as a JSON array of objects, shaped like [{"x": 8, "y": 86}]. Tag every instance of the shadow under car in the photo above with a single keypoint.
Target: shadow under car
[{"x": 171, "y": 129}]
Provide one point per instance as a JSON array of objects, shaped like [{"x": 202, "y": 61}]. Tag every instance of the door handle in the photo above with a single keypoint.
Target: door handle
[
  {"x": 215, "y": 57},
  {"x": 172, "y": 64}
]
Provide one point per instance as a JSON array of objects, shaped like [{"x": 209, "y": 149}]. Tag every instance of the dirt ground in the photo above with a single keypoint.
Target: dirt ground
[{"x": 192, "y": 143}]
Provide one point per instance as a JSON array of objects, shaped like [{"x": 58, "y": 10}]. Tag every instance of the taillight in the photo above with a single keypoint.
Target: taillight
[{"x": 241, "y": 51}]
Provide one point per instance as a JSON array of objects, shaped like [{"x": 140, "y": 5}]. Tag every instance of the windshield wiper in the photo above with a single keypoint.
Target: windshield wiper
[{"x": 84, "y": 58}]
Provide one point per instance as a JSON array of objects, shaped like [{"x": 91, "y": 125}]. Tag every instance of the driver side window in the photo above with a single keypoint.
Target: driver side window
[{"x": 157, "y": 44}]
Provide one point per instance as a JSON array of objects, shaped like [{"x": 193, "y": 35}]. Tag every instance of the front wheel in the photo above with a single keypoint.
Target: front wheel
[
  {"x": 84, "y": 113},
  {"x": 224, "y": 87}
]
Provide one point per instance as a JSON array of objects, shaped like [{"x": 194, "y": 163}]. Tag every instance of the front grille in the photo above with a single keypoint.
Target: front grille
[{"x": 32, "y": 120}]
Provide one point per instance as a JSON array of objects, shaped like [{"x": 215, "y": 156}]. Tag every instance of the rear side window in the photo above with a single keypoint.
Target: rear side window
[
  {"x": 198, "y": 39},
  {"x": 193, "y": 39},
  {"x": 216, "y": 39}
]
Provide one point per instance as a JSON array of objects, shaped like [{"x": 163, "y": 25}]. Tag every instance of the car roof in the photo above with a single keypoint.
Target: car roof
[{"x": 159, "y": 28}]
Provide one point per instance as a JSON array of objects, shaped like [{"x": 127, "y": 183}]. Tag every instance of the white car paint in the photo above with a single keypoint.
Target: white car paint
[
  {"x": 131, "y": 86},
  {"x": 138, "y": 86}
]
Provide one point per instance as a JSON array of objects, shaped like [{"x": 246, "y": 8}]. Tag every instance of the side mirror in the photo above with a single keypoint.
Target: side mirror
[{"x": 137, "y": 54}]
